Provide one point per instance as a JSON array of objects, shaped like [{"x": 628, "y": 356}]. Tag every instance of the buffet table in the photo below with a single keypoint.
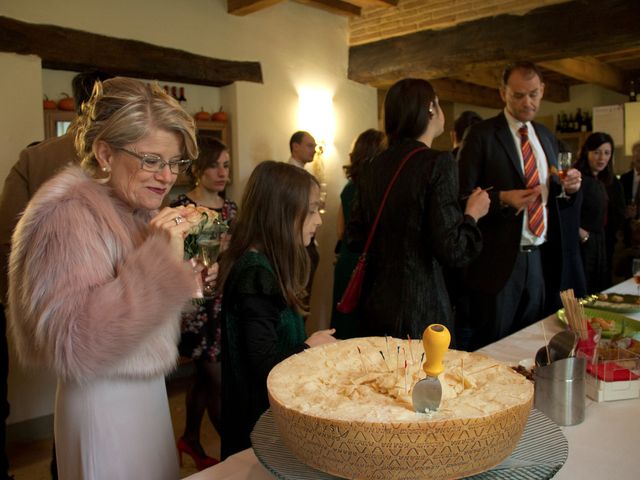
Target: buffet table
[{"x": 603, "y": 446}]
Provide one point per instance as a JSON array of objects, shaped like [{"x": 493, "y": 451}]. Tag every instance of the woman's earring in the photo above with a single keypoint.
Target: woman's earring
[{"x": 106, "y": 169}]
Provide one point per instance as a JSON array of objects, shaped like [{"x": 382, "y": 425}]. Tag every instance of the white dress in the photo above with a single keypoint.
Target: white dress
[{"x": 114, "y": 429}]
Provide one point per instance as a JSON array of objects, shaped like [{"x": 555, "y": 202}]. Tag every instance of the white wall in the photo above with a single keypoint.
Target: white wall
[
  {"x": 21, "y": 122},
  {"x": 297, "y": 46}
]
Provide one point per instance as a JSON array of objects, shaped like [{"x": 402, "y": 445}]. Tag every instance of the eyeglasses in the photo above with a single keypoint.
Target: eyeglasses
[{"x": 153, "y": 163}]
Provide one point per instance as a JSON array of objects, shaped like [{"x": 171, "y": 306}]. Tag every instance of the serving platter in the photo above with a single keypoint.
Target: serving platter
[
  {"x": 539, "y": 454},
  {"x": 614, "y": 302},
  {"x": 623, "y": 325}
]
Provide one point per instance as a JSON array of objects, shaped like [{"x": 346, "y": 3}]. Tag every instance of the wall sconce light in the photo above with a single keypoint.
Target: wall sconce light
[{"x": 316, "y": 116}]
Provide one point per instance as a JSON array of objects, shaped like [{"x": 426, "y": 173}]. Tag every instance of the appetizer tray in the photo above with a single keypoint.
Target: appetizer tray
[
  {"x": 540, "y": 453},
  {"x": 618, "y": 324},
  {"x": 615, "y": 302}
]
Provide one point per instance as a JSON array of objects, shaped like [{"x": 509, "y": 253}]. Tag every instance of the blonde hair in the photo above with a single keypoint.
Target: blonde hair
[{"x": 121, "y": 111}]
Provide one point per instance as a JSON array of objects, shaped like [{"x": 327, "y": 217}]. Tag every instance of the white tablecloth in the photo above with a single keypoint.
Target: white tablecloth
[{"x": 604, "y": 446}]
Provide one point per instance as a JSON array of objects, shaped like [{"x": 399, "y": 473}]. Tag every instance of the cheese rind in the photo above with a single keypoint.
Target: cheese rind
[{"x": 346, "y": 409}]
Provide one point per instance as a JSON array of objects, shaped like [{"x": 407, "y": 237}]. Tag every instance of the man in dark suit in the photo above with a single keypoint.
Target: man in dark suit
[{"x": 516, "y": 158}]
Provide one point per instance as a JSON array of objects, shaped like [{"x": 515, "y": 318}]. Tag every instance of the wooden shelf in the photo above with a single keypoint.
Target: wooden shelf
[{"x": 56, "y": 122}]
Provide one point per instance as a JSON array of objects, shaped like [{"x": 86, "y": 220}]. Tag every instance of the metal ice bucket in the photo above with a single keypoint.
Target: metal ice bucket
[{"x": 560, "y": 390}]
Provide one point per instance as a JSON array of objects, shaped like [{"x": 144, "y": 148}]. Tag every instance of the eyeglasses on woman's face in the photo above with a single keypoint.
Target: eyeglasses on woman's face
[{"x": 153, "y": 163}]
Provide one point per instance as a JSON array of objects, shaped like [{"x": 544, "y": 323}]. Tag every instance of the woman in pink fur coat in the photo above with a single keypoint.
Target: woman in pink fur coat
[{"x": 98, "y": 282}]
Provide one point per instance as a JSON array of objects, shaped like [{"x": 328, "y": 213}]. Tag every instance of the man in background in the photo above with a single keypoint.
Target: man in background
[
  {"x": 453, "y": 276},
  {"x": 303, "y": 150},
  {"x": 516, "y": 158},
  {"x": 465, "y": 120},
  {"x": 36, "y": 165}
]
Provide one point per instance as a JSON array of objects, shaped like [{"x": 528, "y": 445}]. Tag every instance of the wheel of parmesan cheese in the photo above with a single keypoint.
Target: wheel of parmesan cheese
[{"x": 345, "y": 409}]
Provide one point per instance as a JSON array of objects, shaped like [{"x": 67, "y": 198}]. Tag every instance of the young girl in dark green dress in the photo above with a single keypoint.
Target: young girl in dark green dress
[{"x": 263, "y": 275}]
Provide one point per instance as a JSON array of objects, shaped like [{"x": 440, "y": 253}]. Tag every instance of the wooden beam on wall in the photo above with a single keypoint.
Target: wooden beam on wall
[
  {"x": 245, "y": 7},
  {"x": 563, "y": 30},
  {"x": 337, "y": 7},
  {"x": 589, "y": 70},
  {"x": 67, "y": 49}
]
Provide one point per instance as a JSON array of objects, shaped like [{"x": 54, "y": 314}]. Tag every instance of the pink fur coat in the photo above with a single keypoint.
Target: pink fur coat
[{"x": 91, "y": 294}]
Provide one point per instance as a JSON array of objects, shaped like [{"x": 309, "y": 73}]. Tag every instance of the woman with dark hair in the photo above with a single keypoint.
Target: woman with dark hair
[
  {"x": 367, "y": 146},
  {"x": 200, "y": 330},
  {"x": 422, "y": 225},
  {"x": 602, "y": 211},
  {"x": 263, "y": 274}
]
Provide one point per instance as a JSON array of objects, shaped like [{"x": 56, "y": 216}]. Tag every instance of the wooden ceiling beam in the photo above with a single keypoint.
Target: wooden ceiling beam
[
  {"x": 375, "y": 3},
  {"x": 543, "y": 34},
  {"x": 455, "y": 91},
  {"x": 492, "y": 78},
  {"x": 337, "y": 7},
  {"x": 589, "y": 70},
  {"x": 67, "y": 49},
  {"x": 245, "y": 7}
]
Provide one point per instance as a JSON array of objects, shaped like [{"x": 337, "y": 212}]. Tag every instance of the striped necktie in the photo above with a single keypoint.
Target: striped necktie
[{"x": 534, "y": 210}]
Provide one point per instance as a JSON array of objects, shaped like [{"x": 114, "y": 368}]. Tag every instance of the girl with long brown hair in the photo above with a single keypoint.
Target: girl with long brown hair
[{"x": 263, "y": 275}]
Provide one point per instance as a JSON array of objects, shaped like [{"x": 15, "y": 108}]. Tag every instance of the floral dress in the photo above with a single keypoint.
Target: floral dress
[{"x": 200, "y": 328}]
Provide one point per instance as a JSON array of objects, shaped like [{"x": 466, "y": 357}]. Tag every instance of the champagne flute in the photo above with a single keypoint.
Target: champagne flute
[
  {"x": 635, "y": 270},
  {"x": 564, "y": 164},
  {"x": 208, "y": 251}
]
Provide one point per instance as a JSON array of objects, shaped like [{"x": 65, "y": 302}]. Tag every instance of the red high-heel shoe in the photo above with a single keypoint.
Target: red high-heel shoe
[{"x": 202, "y": 461}]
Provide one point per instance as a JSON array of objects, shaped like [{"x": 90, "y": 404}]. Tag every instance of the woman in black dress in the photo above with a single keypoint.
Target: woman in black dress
[
  {"x": 368, "y": 144},
  {"x": 422, "y": 225},
  {"x": 602, "y": 213}
]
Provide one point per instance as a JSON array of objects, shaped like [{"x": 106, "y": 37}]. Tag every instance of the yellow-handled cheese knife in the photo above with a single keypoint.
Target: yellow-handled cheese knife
[{"x": 427, "y": 393}]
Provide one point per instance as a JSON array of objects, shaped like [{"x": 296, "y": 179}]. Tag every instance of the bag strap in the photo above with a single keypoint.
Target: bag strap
[{"x": 384, "y": 198}]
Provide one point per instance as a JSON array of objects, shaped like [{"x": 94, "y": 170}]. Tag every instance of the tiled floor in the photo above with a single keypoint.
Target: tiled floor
[{"x": 30, "y": 461}]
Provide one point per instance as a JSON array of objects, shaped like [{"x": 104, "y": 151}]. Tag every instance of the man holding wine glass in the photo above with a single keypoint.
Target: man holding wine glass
[{"x": 529, "y": 234}]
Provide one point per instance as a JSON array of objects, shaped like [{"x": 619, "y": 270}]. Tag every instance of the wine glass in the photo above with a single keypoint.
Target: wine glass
[
  {"x": 564, "y": 164},
  {"x": 208, "y": 251},
  {"x": 635, "y": 270}
]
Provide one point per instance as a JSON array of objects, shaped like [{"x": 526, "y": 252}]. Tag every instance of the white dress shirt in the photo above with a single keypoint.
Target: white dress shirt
[{"x": 529, "y": 238}]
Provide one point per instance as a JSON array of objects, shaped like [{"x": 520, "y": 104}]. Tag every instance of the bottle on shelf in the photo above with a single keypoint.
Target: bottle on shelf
[
  {"x": 559, "y": 123},
  {"x": 580, "y": 126},
  {"x": 632, "y": 91}
]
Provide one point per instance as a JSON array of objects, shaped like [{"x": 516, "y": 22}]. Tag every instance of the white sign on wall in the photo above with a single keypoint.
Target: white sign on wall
[
  {"x": 631, "y": 126},
  {"x": 610, "y": 119}
]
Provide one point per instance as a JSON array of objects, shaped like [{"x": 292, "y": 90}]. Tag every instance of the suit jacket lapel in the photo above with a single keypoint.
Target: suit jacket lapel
[{"x": 503, "y": 134}]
